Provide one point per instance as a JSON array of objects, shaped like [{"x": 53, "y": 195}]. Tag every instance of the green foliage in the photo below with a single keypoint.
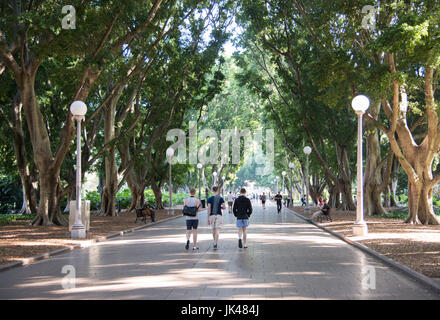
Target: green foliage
[
  {"x": 403, "y": 199},
  {"x": 11, "y": 196},
  {"x": 6, "y": 219},
  {"x": 95, "y": 199},
  {"x": 396, "y": 215},
  {"x": 124, "y": 196},
  {"x": 177, "y": 198}
]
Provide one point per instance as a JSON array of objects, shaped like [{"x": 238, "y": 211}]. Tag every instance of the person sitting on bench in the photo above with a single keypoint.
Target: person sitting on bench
[{"x": 325, "y": 209}]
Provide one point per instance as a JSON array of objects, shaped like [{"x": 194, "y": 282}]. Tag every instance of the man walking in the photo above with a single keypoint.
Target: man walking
[
  {"x": 230, "y": 201},
  {"x": 278, "y": 198},
  {"x": 192, "y": 221},
  {"x": 242, "y": 211},
  {"x": 263, "y": 200},
  {"x": 215, "y": 205}
]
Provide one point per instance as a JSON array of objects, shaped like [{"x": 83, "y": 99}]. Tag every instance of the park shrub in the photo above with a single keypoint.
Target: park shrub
[
  {"x": 124, "y": 196},
  {"x": 149, "y": 197},
  {"x": 403, "y": 199},
  {"x": 6, "y": 219},
  {"x": 11, "y": 195},
  {"x": 177, "y": 198},
  {"x": 95, "y": 199},
  {"x": 400, "y": 214}
]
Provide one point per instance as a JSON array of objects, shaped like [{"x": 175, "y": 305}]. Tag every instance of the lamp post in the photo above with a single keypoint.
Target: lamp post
[
  {"x": 215, "y": 178},
  {"x": 307, "y": 150},
  {"x": 223, "y": 183},
  {"x": 199, "y": 166},
  {"x": 284, "y": 188},
  {"x": 78, "y": 110},
  {"x": 170, "y": 156},
  {"x": 277, "y": 178},
  {"x": 291, "y": 165},
  {"x": 360, "y": 104}
]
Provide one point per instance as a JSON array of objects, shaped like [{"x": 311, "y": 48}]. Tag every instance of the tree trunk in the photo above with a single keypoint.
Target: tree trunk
[
  {"x": 346, "y": 194},
  {"x": 394, "y": 181},
  {"x": 426, "y": 212},
  {"x": 137, "y": 196},
  {"x": 157, "y": 195},
  {"x": 333, "y": 191},
  {"x": 29, "y": 192},
  {"x": 49, "y": 212},
  {"x": 373, "y": 200},
  {"x": 373, "y": 173},
  {"x": 108, "y": 205}
]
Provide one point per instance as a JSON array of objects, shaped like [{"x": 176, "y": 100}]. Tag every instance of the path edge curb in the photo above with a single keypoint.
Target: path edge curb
[
  {"x": 86, "y": 244},
  {"x": 404, "y": 269}
]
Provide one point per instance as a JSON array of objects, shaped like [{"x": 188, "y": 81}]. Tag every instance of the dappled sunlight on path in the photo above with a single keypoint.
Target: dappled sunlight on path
[{"x": 286, "y": 259}]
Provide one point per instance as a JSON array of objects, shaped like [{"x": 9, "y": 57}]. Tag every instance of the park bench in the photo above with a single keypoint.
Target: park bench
[
  {"x": 327, "y": 216},
  {"x": 142, "y": 213}
]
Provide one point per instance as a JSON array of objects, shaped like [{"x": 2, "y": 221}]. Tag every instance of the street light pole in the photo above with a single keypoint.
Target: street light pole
[
  {"x": 291, "y": 165},
  {"x": 78, "y": 110},
  {"x": 360, "y": 104},
  {"x": 307, "y": 150},
  {"x": 284, "y": 188},
  {"x": 170, "y": 156},
  {"x": 215, "y": 178},
  {"x": 199, "y": 166}
]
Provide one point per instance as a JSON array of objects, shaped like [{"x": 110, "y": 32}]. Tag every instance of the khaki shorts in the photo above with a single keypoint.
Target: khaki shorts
[{"x": 216, "y": 221}]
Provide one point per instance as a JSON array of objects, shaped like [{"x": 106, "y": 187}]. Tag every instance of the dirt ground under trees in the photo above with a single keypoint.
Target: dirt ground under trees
[
  {"x": 20, "y": 240},
  {"x": 415, "y": 246}
]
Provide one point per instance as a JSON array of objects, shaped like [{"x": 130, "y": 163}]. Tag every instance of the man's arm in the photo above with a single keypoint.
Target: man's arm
[
  {"x": 223, "y": 206},
  {"x": 249, "y": 208}
]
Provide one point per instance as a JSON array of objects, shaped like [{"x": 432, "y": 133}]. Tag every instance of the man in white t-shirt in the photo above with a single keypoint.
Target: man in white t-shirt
[
  {"x": 192, "y": 222},
  {"x": 230, "y": 201}
]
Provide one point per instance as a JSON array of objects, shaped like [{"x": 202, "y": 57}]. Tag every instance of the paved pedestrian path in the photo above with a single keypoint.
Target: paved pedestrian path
[{"x": 286, "y": 259}]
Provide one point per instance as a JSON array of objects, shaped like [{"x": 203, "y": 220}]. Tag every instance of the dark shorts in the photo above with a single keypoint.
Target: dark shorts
[{"x": 192, "y": 224}]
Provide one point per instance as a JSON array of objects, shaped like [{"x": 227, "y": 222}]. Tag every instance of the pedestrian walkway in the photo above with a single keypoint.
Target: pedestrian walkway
[{"x": 286, "y": 259}]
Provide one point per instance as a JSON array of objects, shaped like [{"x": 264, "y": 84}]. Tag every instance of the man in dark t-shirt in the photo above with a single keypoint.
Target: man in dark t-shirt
[
  {"x": 215, "y": 205},
  {"x": 278, "y": 198},
  {"x": 324, "y": 210}
]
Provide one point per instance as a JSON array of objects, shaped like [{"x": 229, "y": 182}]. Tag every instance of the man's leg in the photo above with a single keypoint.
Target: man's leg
[
  {"x": 195, "y": 238},
  {"x": 188, "y": 234},
  {"x": 240, "y": 237},
  {"x": 216, "y": 235},
  {"x": 244, "y": 236},
  {"x": 316, "y": 215}
]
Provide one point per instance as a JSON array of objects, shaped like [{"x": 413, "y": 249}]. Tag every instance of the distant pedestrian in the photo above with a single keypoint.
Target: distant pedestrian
[
  {"x": 303, "y": 200},
  {"x": 263, "y": 200},
  {"x": 278, "y": 198},
  {"x": 192, "y": 219},
  {"x": 215, "y": 205},
  {"x": 230, "y": 201},
  {"x": 320, "y": 201},
  {"x": 242, "y": 211}
]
